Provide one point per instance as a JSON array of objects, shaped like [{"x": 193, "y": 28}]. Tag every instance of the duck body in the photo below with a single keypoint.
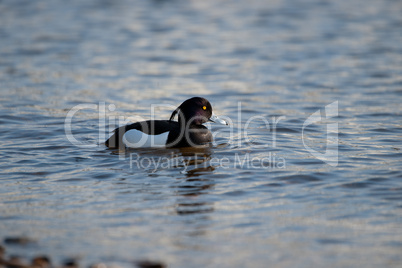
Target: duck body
[{"x": 187, "y": 131}]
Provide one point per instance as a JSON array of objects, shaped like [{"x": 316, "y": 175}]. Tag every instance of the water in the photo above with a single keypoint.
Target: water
[{"x": 229, "y": 205}]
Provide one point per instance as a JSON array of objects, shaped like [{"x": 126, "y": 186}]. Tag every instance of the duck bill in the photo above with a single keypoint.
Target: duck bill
[{"x": 217, "y": 120}]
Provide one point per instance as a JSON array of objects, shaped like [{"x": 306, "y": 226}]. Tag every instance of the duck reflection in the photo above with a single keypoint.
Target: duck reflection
[{"x": 195, "y": 183}]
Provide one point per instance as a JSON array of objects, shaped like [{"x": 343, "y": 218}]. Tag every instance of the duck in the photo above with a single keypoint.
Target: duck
[{"x": 188, "y": 131}]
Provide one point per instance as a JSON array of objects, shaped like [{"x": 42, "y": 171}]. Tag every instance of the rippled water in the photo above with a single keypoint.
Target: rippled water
[{"x": 254, "y": 200}]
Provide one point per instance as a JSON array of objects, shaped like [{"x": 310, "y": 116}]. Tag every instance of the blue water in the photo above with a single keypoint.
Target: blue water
[{"x": 257, "y": 197}]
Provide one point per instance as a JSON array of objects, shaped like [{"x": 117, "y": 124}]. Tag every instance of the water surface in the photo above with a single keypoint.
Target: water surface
[{"x": 247, "y": 201}]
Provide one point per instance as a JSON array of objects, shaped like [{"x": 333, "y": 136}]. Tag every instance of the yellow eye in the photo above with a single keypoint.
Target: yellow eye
[{"x": 204, "y": 107}]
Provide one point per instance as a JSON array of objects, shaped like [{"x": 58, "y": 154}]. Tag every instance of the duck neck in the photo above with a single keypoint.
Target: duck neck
[{"x": 184, "y": 123}]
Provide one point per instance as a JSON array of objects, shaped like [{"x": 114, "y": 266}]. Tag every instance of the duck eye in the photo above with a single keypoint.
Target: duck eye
[{"x": 204, "y": 107}]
